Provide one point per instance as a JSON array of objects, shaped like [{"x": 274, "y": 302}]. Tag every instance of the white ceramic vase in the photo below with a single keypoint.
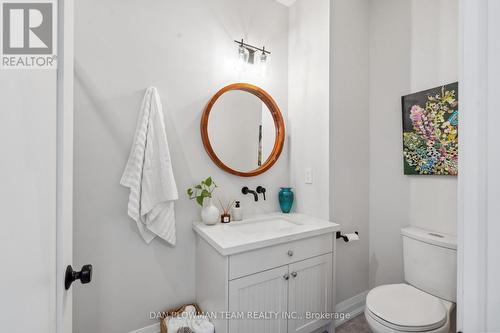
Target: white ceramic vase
[{"x": 209, "y": 213}]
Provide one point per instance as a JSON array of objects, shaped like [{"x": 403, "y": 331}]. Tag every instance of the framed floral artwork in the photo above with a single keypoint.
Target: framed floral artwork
[{"x": 430, "y": 131}]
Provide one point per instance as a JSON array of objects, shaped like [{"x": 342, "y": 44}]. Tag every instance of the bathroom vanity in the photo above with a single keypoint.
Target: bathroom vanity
[{"x": 270, "y": 274}]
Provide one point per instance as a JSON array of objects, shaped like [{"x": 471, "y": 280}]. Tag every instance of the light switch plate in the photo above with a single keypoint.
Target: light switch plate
[{"x": 309, "y": 176}]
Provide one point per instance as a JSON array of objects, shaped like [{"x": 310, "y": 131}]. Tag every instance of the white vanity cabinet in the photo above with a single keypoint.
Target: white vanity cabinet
[
  {"x": 295, "y": 289},
  {"x": 264, "y": 292},
  {"x": 268, "y": 289},
  {"x": 310, "y": 290}
]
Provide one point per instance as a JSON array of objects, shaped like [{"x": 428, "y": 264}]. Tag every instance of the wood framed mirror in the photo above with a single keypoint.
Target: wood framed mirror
[{"x": 242, "y": 130}]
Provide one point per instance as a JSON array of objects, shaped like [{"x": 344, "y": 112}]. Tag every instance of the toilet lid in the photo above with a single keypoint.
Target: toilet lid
[{"x": 406, "y": 307}]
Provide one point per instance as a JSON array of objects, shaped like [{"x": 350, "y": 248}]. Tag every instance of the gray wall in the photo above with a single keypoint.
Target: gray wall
[
  {"x": 382, "y": 50},
  {"x": 390, "y": 64},
  {"x": 349, "y": 141},
  {"x": 413, "y": 46},
  {"x": 186, "y": 49},
  {"x": 309, "y": 108},
  {"x": 434, "y": 61}
]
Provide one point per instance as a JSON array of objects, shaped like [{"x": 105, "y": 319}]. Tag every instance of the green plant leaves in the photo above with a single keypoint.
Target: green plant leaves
[
  {"x": 202, "y": 190},
  {"x": 208, "y": 181}
]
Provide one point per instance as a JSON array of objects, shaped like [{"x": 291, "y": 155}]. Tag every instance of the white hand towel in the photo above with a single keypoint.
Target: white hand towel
[
  {"x": 176, "y": 323},
  {"x": 149, "y": 174},
  {"x": 197, "y": 324},
  {"x": 201, "y": 324}
]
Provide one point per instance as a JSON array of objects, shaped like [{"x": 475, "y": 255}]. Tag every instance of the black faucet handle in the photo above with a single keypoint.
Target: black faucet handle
[
  {"x": 261, "y": 189},
  {"x": 246, "y": 190}
]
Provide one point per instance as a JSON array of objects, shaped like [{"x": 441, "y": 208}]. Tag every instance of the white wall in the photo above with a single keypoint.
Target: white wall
[
  {"x": 308, "y": 106},
  {"x": 349, "y": 142},
  {"x": 413, "y": 46},
  {"x": 186, "y": 49}
]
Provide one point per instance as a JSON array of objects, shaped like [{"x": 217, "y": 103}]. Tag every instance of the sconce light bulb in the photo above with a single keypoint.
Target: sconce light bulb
[
  {"x": 242, "y": 54},
  {"x": 263, "y": 57},
  {"x": 263, "y": 64}
]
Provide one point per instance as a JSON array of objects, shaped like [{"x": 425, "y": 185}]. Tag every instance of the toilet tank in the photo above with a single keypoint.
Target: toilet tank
[{"x": 430, "y": 262}]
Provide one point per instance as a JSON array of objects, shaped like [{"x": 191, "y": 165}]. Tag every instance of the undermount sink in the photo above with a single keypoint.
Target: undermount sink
[{"x": 266, "y": 225}]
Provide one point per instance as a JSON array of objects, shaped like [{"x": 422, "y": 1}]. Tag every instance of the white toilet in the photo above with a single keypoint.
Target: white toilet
[{"x": 426, "y": 302}]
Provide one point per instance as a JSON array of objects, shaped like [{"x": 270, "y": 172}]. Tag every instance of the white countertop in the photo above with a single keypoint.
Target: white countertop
[{"x": 253, "y": 233}]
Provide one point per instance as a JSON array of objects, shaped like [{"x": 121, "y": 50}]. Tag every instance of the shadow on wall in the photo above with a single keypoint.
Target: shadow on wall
[
  {"x": 374, "y": 265},
  {"x": 100, "y": 107},
  {"x": 122, "y": 139}
]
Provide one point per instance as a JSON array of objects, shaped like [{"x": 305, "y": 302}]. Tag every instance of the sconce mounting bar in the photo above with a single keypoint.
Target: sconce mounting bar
[{"x": 255, "y": 48}]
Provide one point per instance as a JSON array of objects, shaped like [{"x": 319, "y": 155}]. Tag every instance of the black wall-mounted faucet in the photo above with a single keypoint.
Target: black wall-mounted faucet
[
  {"x": 261, "y": 189},
  {"x": 246, "y": 190}
]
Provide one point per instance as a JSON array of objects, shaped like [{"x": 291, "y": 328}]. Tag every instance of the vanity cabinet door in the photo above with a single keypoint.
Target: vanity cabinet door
[
  {"x": 259, "y": 294},
  {"x": 310, "y": 291}
]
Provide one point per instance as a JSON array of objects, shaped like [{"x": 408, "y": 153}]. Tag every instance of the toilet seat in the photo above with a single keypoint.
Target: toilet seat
[{"x": 405, "y": 308}]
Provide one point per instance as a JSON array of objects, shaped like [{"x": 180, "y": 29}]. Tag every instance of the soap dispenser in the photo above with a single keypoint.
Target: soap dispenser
[{"x": 237, "y": 212}]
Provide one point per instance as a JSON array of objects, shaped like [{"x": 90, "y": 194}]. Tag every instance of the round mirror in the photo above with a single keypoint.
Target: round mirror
[{"x": 242, "y": 130}]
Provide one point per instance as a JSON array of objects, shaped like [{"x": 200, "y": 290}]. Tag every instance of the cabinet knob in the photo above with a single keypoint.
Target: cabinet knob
[
  {"x": 286, "y": 276},
  {"x": 290, "y": 253},
  {"x": 294, "y": 274}
]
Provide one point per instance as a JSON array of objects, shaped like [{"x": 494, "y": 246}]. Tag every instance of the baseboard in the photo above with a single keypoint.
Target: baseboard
[
  {"x": 155, "y": 328},
  {"x": 351, "y": 307}
]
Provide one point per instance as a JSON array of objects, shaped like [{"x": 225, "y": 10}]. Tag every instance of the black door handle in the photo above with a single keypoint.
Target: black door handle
[{"x": 85, "y": 275}]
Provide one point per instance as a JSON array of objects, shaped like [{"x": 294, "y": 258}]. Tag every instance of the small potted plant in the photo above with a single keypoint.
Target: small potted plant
[{"x": 200, "y": 192}]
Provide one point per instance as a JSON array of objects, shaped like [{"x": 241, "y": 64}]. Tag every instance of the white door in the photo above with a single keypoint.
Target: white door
[
  {"x": 259, "y": 293},
  {"x": 35, "y": 198},
  {"x": 28, "y": 178},
  {"x": 478, "y": 294},
  {"x": 310, "y": 292}
]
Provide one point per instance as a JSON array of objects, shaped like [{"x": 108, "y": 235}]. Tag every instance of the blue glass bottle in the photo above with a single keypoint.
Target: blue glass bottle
[{"x": 286, "y": 199}]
